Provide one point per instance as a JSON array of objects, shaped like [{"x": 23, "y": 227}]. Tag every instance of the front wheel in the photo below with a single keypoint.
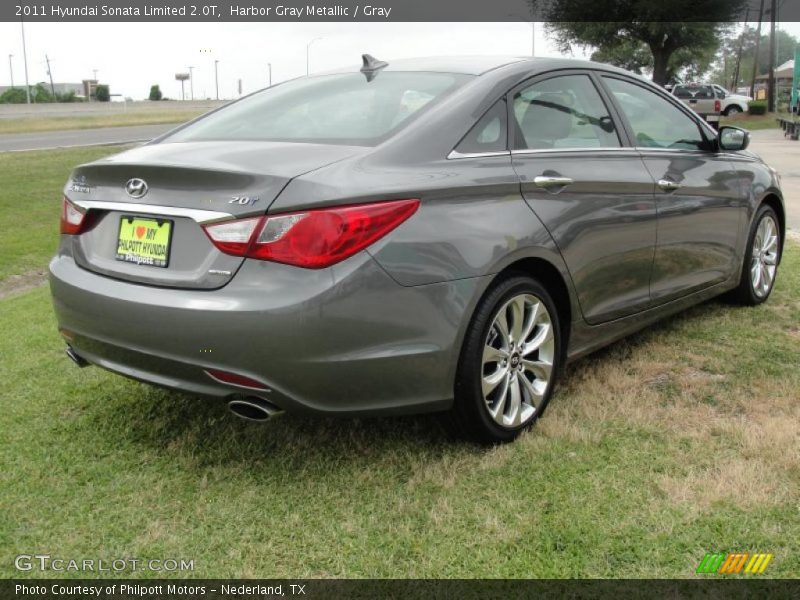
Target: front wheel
[
  {"x": 508, "y": 363},
  {"x": 761, "y": 259}
]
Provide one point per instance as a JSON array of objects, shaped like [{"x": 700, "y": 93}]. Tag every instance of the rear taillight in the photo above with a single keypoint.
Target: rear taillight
[
  {"x": 717, "y": 106},
  {"x": 73, "y": 218},
  {"x": 312, "y": 239}
]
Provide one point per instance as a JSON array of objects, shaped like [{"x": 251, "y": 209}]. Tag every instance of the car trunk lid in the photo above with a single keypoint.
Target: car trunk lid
[{"x": 172, "y": 190}]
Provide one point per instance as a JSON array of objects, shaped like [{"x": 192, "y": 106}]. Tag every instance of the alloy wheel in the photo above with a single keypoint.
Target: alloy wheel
[
  {"x": 764, "y": 257},
  {"x": 517, "y": 361}
]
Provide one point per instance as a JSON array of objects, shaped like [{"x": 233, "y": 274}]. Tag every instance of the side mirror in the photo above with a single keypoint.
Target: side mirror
[{"x": 733, "y": 138}]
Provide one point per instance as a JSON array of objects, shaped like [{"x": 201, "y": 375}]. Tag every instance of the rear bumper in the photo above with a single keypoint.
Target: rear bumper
[{"x": 345, "y": 340}]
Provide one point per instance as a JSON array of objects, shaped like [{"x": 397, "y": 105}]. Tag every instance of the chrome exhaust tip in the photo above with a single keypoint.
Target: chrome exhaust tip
[
  {"x": 253, "y": 408},
  {"x": 74, "y": 357}
]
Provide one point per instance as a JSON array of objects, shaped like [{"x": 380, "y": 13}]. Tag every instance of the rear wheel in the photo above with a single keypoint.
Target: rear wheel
[
  {"x": 508, "y": 363},
  {"x": 732, "y": 110},
  {"x": 761, "y": 259}
]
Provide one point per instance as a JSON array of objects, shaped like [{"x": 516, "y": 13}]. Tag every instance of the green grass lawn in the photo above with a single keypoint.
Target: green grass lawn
[
  {"x": 751, "y": 122},
  {"x": 681, "y": 440},
  {"x": 45, "y": 123},
  {"x": 30, "y": 202}
]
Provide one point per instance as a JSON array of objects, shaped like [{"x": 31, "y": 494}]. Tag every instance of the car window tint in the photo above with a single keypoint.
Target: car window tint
[
  {"x": 489, "y": 133},
  {"x": 655, "y": 121},
  {"x": 562, "y": 112},
  {"x": 335, "y": 109}
]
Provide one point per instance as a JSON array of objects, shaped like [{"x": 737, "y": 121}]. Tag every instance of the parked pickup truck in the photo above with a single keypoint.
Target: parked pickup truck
[
  {"x": 732, "y": 103},
  {"x": 702, "y": 99}
]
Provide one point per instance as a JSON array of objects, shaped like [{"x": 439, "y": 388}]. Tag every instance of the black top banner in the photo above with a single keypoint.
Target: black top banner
[{"x": 380, "y": 10}]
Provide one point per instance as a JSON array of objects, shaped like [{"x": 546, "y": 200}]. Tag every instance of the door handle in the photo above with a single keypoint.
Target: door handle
[
  {"x": 667, "y": 185},
  {"x": 551, "y": 182}
]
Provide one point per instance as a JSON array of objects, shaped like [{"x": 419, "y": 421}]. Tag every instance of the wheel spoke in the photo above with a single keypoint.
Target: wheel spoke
[
  {"x": 492, "y": 354},
  {"x": 756, "y": 276},
  {"x": 490, "y": 381},
  {"x": 517, "y": 319},
  {"x": 501, "y": 324},
  {"x": 771, "y": 259},
  {"x": 515, "y": 402},
  {"x": 500, "y": 402},
  {"x": 533, "y": 393},
  {"x": 541, "y": 369},
  {"x": 530, "y": 322},
  {"x": 544, "y": 334}
]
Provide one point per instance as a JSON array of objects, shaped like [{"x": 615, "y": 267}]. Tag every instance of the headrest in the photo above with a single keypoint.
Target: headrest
[{"x": 547, "y": 119}]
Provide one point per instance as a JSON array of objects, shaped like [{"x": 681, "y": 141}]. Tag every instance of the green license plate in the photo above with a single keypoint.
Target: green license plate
[{"x": 144, "y": 241}]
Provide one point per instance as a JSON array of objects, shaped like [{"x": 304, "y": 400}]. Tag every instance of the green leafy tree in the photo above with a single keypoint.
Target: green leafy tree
[
  {"x": 102, "y": 93},
  {"x": 13, "y": 96},
  {"x": 155, "y": 93},
  {"x": 665, "y": 29},
  {"x": 725, "y": 66}
]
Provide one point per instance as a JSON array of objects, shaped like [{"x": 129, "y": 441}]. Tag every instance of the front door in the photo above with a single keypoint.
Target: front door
[
  {"x": 697, "y": 193},
  {"x": 593, "y": 195}
]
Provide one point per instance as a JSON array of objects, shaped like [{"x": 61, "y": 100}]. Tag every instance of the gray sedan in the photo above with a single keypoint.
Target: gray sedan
[{"x": 432, "y": 235}]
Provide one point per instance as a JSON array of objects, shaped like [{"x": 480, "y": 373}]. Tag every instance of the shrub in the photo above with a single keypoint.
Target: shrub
[
  {"x": 757, "y": 107},
  {"x": 102, "y": 93},
  {"x": 155, "y": 93}
]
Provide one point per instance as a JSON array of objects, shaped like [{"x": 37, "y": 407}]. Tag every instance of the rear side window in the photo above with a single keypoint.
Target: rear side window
[
  {"x": 489, "y": 134},
  {"x": 655, "y": 121},
  {"x": 332, "y": 109},
  {"x": 562, "y": 112}
]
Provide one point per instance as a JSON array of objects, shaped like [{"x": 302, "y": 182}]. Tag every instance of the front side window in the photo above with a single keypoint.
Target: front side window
[
  {"x": 562, "y": 112},
  {"x": 656, "y": 122},
  {"x": 332, "y": 109}
]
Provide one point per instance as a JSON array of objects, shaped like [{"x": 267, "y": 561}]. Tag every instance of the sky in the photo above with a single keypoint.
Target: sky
[{"x": 131, "y": 57}]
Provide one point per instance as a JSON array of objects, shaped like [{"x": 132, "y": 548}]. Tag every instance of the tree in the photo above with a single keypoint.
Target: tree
[
  {"x": 729, "y": 48},
  {"x": 155, "y": 93},
  {"x": 667, "y": 30},
  {"x": 102, "y": 93}
]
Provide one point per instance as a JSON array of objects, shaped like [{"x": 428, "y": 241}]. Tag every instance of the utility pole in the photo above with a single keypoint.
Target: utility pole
[
  {"x": 308, "y": 48},
  {"x": 216, "y": 77},
  {"x": 191, "y": 82},
  {"x": 758, "y": 46},
  {"x": 739, "y": 54},
  {"x": 772, "y": 41},
  {"x": 50, "y": 75},
  {"x": 11, "y": 69},
  {"x": 25, "y": 57},
  {"x": 269, "y": 65}
]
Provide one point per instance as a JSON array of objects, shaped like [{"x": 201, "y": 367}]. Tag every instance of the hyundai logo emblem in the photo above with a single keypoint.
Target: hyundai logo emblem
[{"x": 136, "y": 188}]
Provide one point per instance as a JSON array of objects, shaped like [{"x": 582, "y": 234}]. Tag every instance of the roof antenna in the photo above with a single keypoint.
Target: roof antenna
[{"x": 371, "y": 66}]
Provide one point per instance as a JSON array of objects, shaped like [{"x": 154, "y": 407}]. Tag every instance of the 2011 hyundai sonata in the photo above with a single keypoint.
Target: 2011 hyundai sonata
[{"x": 422, "y": 235}]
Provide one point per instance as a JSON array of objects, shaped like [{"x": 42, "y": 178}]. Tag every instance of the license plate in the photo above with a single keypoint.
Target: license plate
[{"x": 144, "y": 241}]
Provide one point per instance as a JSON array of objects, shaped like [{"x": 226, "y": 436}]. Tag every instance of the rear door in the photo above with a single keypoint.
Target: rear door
[
  {"x": 699, "y": 205},
  {"x": 593, "y": 194}
]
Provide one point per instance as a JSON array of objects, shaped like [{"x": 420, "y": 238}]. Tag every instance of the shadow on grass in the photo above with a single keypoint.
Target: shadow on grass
[
  {"x": 170, "y": 422},
  {"x": 178, "y": 424}
]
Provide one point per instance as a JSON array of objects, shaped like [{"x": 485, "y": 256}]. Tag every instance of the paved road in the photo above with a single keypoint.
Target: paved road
[
  {"x": 782, "y": 154},
  {"x": 80, "y": 137}
]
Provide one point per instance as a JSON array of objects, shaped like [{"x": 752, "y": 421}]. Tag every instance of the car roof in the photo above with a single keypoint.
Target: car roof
[{"x": 478, "y": 65}]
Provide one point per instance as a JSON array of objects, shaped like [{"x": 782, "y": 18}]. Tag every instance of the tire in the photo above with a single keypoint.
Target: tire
[
  {"x": 733, "y": 110},
  {"x": 502, "y": 386},
  {"x": 761, "y": 259}
]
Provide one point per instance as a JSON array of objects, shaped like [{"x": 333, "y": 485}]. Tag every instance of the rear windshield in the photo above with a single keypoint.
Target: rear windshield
[{"x": 329, "y": 109}]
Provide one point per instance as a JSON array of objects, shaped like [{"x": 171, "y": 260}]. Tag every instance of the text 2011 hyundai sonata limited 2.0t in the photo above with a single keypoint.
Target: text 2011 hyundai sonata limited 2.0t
[{"x": 418, "y": 236}]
